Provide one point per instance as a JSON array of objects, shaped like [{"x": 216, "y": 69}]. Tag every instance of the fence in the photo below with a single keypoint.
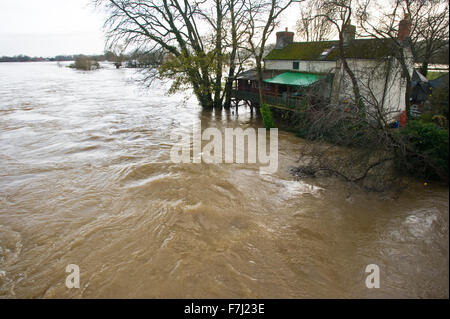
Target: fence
[{"x": 287, "y": 101}]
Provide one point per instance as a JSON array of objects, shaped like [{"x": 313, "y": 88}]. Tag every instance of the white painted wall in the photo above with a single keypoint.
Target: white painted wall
[
  {"x": 375, "y": 79},
  {"x": 304, "y": 66}
]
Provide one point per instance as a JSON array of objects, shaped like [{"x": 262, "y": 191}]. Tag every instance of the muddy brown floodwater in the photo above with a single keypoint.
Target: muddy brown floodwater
[{"x": 86, "y": 179}]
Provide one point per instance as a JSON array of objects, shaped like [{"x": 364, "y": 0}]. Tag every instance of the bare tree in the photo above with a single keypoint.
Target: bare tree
[
  {"x": 228, "y": 21},
  {"x": 262, "y": 18},
  {"x": 430, "y": 29},
  {"x": 311, "y": 26},
  {"x": 118, "y": 55},
  {"x": 236, "y": 24},
  {"x": 213, "y": 12},
  {"x": 339, "y": 14},
  {"x": 386, "y": 27},
  {"x": 202, "y": 41},
  {"x": 171, "y": 25}
]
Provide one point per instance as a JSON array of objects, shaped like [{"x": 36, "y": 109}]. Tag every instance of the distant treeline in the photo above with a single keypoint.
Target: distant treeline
[
  {"x": 58, "y": 58},
  {"x": 134, "y": 59},
  {"x": 21, "y": 58},
  {"x": 440, "y": 56}
]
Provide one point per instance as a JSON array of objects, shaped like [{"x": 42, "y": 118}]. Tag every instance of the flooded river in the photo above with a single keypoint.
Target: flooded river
[{"x": 86, "y": 179}]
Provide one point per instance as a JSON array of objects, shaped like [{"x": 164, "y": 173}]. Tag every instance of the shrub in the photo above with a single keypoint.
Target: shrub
[
  {"x": 266, "y": 115},
  {"x": 85, "y": 64},
  {"x": 441, "y": 121},
  {"x": 439, "y": 98},
  {"x": 426, "y": 117},
  {"x": 427, "y": 150},
  {"x": 302, "y": 132}
]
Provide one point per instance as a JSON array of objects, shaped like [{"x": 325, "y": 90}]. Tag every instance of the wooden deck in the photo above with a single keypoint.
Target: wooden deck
[{"x": 283, "y": 102}]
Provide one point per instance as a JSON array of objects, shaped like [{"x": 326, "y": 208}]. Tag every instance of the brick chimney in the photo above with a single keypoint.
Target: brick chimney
[
  {"x": 349, "y": 32},
  {"x": 284, "y": 38},
  {"x": 404, "y": 28}
]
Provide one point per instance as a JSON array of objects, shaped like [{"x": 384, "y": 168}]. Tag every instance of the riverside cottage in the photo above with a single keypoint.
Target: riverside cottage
[{"x": 292, "y": 69}]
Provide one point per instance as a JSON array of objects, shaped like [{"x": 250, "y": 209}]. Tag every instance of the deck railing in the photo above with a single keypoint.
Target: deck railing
[{"x": 274, "y": 99}]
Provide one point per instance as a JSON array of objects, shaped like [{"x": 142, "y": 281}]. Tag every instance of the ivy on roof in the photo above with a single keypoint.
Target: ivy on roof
[{"x": 329, "y": 51}]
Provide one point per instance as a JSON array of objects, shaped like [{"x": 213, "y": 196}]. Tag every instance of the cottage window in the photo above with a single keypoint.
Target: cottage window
[{"x": 296, "y": 65}]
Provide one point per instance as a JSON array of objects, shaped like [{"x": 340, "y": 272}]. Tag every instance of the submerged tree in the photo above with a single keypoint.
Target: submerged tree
[
  {"x": 85, "y": 63},
  {"x": 173, "y": 26},
  {"x": 205, "y": 42},
  {"x": 236, "y": 23}
]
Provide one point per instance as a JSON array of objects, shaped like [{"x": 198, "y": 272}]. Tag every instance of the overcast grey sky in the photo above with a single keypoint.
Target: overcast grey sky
[
  {"x": 50, "y": 27},
  {"x": 53, "y": 27}
]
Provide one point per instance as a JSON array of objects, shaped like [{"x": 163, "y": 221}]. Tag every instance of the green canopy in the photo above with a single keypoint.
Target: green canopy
[{"x": 296, "y": 78}]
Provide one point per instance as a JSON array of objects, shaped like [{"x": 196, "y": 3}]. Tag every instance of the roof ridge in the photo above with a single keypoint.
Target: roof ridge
[
  {"x": 363, "y": 48},
  {"x": 334, "y": 41}
]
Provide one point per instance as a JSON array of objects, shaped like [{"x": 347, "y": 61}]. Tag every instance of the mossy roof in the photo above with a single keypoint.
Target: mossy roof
[{"x": 313, "y": 51}]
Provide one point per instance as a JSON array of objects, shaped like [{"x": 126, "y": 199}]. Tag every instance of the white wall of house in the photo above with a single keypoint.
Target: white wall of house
[
  {"x": 381, "y": 85},
  {"x": 304, "y": 66}
]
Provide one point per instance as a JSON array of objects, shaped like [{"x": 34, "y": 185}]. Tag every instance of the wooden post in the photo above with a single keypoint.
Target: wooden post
[{"x": 288, "y": 93}]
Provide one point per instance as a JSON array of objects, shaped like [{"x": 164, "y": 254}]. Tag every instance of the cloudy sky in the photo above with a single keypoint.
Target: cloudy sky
[
  {"x": 56, "y": 27},
  {"x": 50, "y": 27}
]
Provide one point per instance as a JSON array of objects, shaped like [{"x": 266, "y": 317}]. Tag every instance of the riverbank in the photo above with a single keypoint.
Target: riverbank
[{"x": 374, "y": 156}]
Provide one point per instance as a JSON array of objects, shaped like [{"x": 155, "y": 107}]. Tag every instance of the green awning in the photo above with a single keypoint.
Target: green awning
[{"x": 296, "y": 78}]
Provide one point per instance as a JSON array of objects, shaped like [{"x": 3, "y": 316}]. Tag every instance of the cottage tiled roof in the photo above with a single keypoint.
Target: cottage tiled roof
[{"x": 328, "y": 50}]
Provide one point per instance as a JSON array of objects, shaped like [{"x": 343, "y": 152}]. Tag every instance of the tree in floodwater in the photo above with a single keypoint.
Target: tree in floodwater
[
  {"x": 142, "y": 59},
  {"x": 170, "y": 25},
  {"x": 204, "y": 42},
  {"x": 200, "y": 41},
  {"x": 116, "y": 54},
  {"x": 85, "y": 63},
  {"x": 235, "y": 25}
]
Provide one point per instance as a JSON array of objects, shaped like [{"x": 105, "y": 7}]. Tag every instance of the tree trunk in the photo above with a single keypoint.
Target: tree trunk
[
  {"x": 424, "y": 68},
  {"x": 348, "y": 70},
  {"x": 234, "y": 39},
  {"x": 219, "y": 56},
  {"x": 405, "y": 71},
  {"x": 229, "y": 86},
  {"x": 260, "y": 81},
  {"x": 427, "y": 58},
  {"x": 201, "y": 89}
]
